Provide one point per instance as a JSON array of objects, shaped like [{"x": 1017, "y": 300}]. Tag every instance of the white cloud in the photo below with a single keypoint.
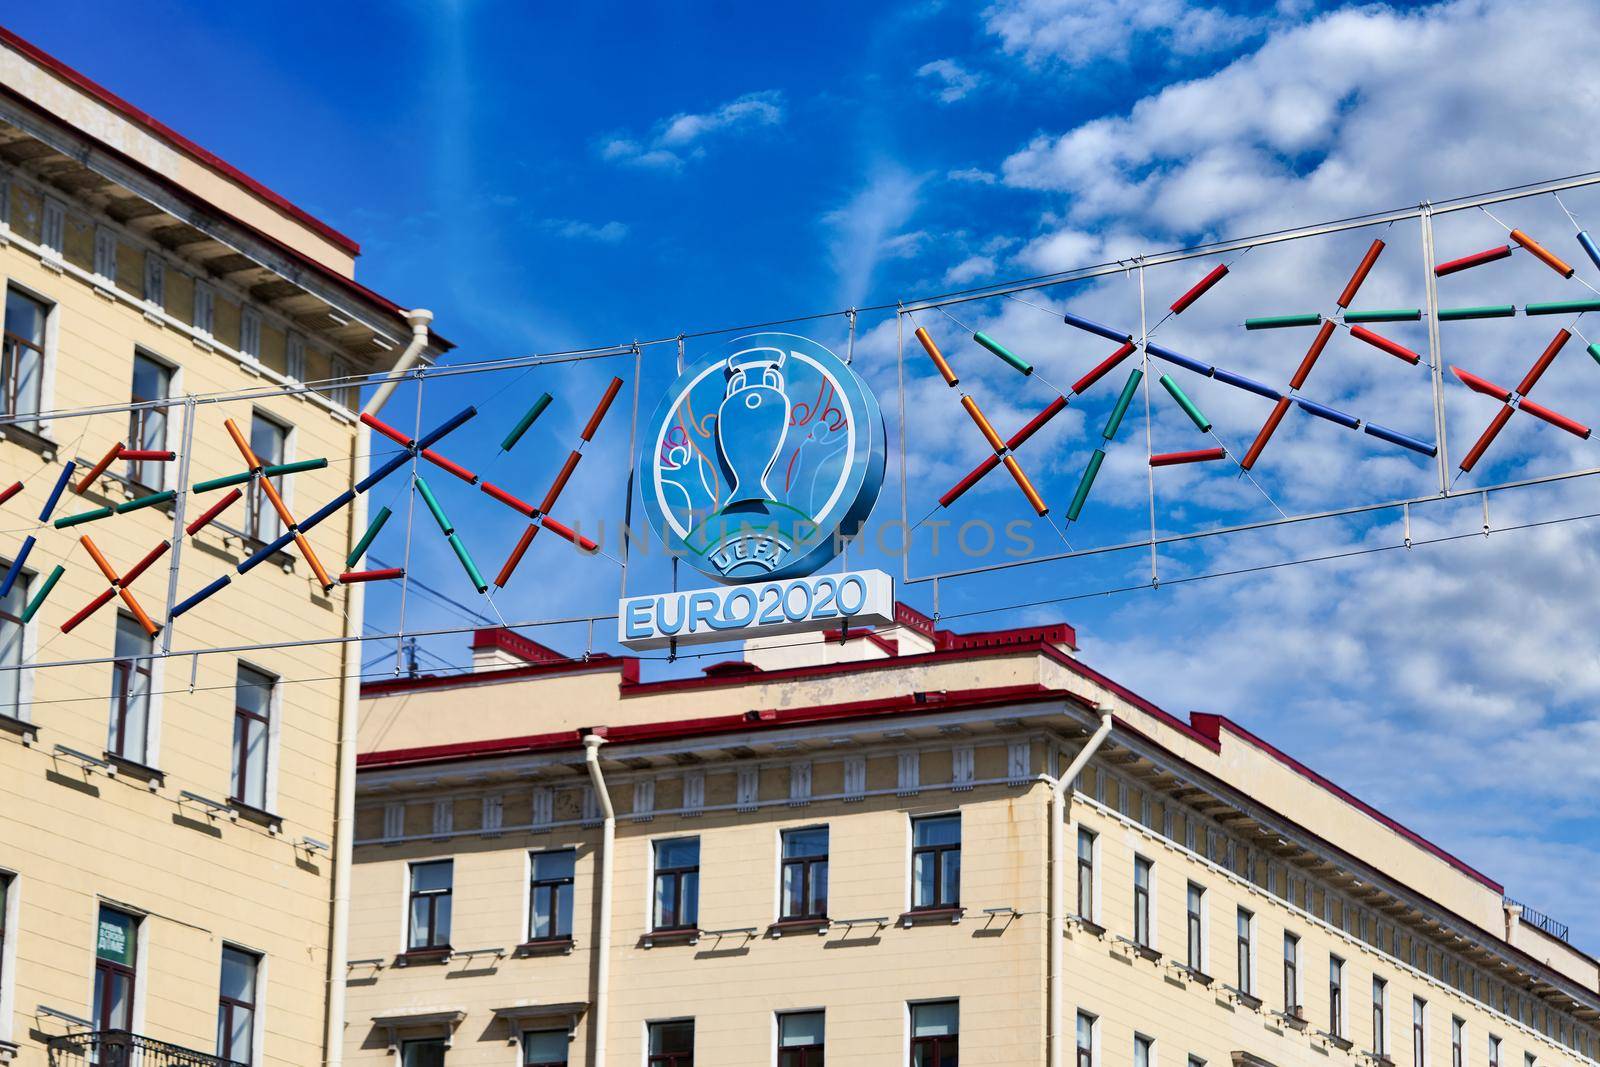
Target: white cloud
[
  {"x": 606, "y": 233},
  {"x": 955, "y": 81},
  {"x": 969, "y": 270},
  {"x": 678, "y": 138},
  {"x": 973, "y": 175},
  {"x": 1079, "y": 32},
  {"x": 869, "y": 228}
]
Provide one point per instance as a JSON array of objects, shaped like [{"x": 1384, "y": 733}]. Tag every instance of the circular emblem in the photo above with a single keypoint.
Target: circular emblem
[{"x": 759, "y": 455}]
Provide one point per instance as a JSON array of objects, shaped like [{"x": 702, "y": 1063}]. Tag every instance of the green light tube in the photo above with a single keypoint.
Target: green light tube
[
  {"x": 1278, "y": 322},
  {"x": 1386, "y": 315},
  {"x": 433, "y": 505},
  {"x": 1563, "y": 307},
  {"x": 82, "y": 517},
  {"x": 1484, "y": 311},
  {"x": 1084, "y": 484},
  {"x": 145, "y": 501},
  {"x": 1594, "y": 350},
  {"x": 523, "y": 423},
  {"x": 295, "y": 468},
  {"x": 1128, "y": 389},
  {"x": 38, "y": 598},
  {"x": 366, "y": 539},
  {"x": 1003, "y": 352},
  {"x": 221, "y": 483},
  {"x": 466, "y": 561},
  {"x": 1188, "y": 406}
]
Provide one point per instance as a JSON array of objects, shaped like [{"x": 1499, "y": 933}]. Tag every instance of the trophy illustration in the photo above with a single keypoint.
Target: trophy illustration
[{"x": 752, "y": 423}]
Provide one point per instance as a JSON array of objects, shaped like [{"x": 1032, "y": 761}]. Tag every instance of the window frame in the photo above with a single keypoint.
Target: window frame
[
  {"x": 938, "y": 1044},
  {"x": 1195, "y": 926},
  {"x": 239, "y": 777},
  {"x": 1147, "y": 1045},
  {"x": 1086, "y": 1056},
  {"x": 10, "y": 907},
  {"x": 226, "y": 1005},
  {"x": 1291, "y": 974},
  {"x": 1494, "y": 1051},
  {"x": 1419, "y": 1032},
  {"x": 553, "y": 887},
  {"x": 108, "y": 971},
  {"x": 257, "y": 507},
  {"x": 938, "y": 852},
  {"x": 123, "y": 670},
  {"x": 1458, "y": 1041},
  {"x": 1144, "y": 901},
  {"x": 1380, "y": 1016},
  {"x": 148, "y": 473},
  {"x": 1088, "y": 868},
  {"x": 522, "y": 1048},
  {"x": 45, "y": 351},
  {"x": 785, "y": 1054},
  {"x": 669, "y": 1059},
  {"x": 807, "y": 865},
  {"x": 1245, "y": 951},
  {"x": 678, "y": 873},
  {"x": 1336, "y": 1003},
  {"x": 432, "y": 896},
  {"x": 27, "y": 635},
  {"x": 412, "y": 1042}
]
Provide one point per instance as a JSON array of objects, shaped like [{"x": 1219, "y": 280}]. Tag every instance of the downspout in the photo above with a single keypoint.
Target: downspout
[
  {"x": 602, "y": 944},
  {"x": 1058, "y": 884},
  {"x": 344, "y": 819}
]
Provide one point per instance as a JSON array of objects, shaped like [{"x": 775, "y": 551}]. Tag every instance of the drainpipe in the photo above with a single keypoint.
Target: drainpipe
[
  {"x": 602, "y": 945},
  {"x": 1058, "y": 884},
  {"x": 344, "y": 819}
]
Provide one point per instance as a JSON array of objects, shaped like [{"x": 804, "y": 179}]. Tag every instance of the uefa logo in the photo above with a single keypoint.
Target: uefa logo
[{"x": 760, "y": 458}]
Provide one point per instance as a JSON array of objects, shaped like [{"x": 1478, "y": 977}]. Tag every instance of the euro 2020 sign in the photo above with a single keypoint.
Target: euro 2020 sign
[{"x": 757, "y": 461}]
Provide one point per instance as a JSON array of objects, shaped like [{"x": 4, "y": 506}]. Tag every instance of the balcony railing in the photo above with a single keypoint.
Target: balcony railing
[
  {"x": 119, "y": 1048},
  {"x": 1540, "y": 920}
]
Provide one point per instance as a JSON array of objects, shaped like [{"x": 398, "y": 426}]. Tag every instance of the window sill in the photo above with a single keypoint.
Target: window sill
[
  {"x": 1292, "y": 1019},
  {"x": 930, "y": 916},
  {"x": 817, "y": 925},
  {"x": 1142, "y": 951},
  {"x": 1380, "y": 1058},
  {"x": 1248, "y": 1000},
  {"x": 1200, "y": 977},
  {"x": 1343, "y": 1044},
  {"x": 34, "y": 442},
  {"x": 150, "y": 776},
  {"x": 1089, "y": 925},
  {"x": 26, "y": 731},
  {"x": 259, "y": 816},
  {"x": 682, "y": 936},
  {"x": 422, "y": 957},
  {"x": 545, "y": 946}
]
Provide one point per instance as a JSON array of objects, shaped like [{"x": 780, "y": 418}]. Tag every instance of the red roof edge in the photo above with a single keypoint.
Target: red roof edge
[
  {"x": 772, "y": 718},
  {"x": 176, "y": 139},
  {"x": 508, "y": 641}
]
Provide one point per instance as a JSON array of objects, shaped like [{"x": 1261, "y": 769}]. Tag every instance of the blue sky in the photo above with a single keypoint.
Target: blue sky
[{"x": 549, "y": 177}]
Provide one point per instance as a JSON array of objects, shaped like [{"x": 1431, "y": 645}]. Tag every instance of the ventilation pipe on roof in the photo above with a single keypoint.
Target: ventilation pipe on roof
[
  {"x": 602, "y": 944},
  {"x": 1058, "y": 884},
  {"x": 344, "y": 819}
]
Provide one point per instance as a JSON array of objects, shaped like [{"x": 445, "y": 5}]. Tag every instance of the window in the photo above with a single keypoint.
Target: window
[
  {"x": 130, "y": 692},
  {"x": 269, "y": 441},
  {"x": 935, "y": 1034},
  {"x": 147, "y": 426},
  {"x": 1086, "y": 847},
  {"x": 936, "y": 863},
  {"x": 116, "y": 954},
  {"x": 1142, "y": 875},
  {"x": 1335, "y": 996},
  {"x": 252, "y": 719},
  {"x": 544, "y": 1048},
  {"x": 12, "y": 632},
  {"x": 1494, "y": 1051},
  {"x": 672, "y": 1044},
  {"x": 426, "y": 1053},
  {"x": 1458, "y": 1040},
  {"x": 1291, "y": 974},
  {"x": 5, "y": 901},
  {"x": 1144, "y": 1051},
  {"x": 1529, "y": 1060},
  {"x": 1246, "y": 923},
  {"x": 800, "y": 1039},
  {"x": 1197, "y": 928},
  {"x": 550, "y": 877},
  {"x": 1380, "y": 1007},
  {"x": 677, "y": 896},
  {"x": 1085, "y": 1039},
  {"x": 1419, "y": 1031},
  {"x": 236, "y": 1005},
  {"x": 22, "y": 354},
  {"x": 805, "y": 875},
  {"x": 430, "y": 906}
]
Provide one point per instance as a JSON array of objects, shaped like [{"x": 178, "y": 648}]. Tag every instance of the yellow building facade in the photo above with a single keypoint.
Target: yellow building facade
[
  {"x": 169, "y": 831},
  {"x": 849, "y": 851}
]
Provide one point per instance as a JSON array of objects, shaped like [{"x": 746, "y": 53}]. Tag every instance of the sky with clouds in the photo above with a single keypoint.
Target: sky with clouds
[{"x": 552, "y": 178}]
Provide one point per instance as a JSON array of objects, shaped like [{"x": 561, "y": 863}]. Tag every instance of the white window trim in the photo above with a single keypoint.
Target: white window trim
[
  {"x": 1094, "y": 1037},
  {"x": 1150, "y": 1044},
  {"x": 1095, "y": 865},
  {"x": 8, "y": 958},
  {"x": 1204, "y": 962},
  {"x": 1153, "y": 896},
  {"x": 258, "y": 1026}
]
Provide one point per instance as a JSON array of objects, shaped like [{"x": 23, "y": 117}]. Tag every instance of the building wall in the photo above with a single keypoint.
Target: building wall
[{"x": 202, "y": 880}]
